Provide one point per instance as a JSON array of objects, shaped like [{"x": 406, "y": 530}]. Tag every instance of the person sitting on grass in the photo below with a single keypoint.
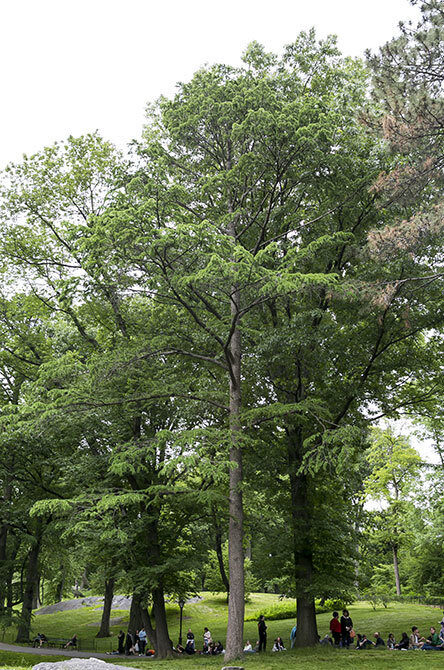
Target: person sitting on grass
[
  {"x": 379, "y": 642},
  {"x": 415, "y": 638},
  {"x": 326, "y": 639},
  {"x": 218, "y": 648},
  {"x": 190, "y": 636},
  {"x": 391, "y": 641},
  {"x": 363, "y": 642},
  {"x": 72, "y": 642},
  {"x": 248, "y": 649},
  {"x": 278, "y": 645},
  {"x": 403, "y": 643},
  {"x": 189, "y": 647},
  {"x": 433, "y": 641}
]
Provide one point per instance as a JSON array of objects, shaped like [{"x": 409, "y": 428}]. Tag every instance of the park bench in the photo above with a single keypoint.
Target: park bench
[{"x": 56, "y": 643}]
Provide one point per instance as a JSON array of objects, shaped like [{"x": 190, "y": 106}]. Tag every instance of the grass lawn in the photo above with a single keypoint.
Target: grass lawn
[{"x": 212, "y": 612}]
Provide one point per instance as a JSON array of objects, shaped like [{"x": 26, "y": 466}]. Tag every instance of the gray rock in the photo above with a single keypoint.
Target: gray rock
[
  {"x": 81, "y": 664},
  {"x": 119, "y": 603}
]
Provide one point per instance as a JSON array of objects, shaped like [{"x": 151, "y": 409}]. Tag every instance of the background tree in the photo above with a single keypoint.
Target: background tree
[{"x": 395, "y": 468}]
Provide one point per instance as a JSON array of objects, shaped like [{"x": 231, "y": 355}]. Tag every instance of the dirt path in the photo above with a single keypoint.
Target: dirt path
[{"x": 44, "y": 651}]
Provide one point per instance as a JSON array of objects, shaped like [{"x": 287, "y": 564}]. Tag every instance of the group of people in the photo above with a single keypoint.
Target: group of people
[
  {"x": 344, "y": 635},
  {"x": 261, "y": 644},
  {"x": 133, "y": 643},
  {"x": 209, "y": 646}
]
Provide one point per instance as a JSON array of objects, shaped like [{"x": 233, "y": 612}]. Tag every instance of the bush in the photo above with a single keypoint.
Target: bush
[{"x": 275, "y": 612}]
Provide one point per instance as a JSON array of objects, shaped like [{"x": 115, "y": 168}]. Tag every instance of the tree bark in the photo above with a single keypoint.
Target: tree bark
[
  {"x": 61, "y": 584},
  {"x": 236, "y": 601},
  {"x": 307, "y": 632},
  {"x": 3, "y": 566},
  {"x": 36, "y": 596},
  {"x": 84, "y": 583},
  {"x": 396, "y": 570},
  {"x": 10, "y": 574},
  {"x": 164, "y": 647},
  {"x": 32, "y": 576},
  {"x": 220, "y": 558},
  {"x": 108, "y": 601},
  {"x": 151, "y": 633},
  {"x": 135, "y": 617}
]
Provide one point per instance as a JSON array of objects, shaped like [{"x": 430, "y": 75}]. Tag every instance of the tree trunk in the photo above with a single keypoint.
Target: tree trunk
[
  {"x": 147, "y": 624},
  {"x": 164, "y": 647},
  {"x": 135, "y": 617},
  {"x": 10, "y": 574},
  {"x": 61, "y": 584},
  {"x": 220, "y": 558},
  {"x": 36, "y": 596},
  {"x": 307, "y": 632},
  {"x": 32, "y": 576},
  {"x": 84, "y": 583},
  {"x": 236, "y": 601},
  {"x": 3, "y": 566},
  {"x": 108, "y": 601},
  {"x": 396, "y": 569}
]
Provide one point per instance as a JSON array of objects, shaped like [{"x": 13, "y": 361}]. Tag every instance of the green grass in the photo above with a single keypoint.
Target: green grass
[{"x": 212, "y": 612}]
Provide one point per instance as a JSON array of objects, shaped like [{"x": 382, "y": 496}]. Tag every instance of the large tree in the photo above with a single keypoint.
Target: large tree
[{"x": 234, "y": 172}]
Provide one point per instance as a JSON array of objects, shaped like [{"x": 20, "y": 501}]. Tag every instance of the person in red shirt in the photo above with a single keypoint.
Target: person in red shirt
[{"x": 335, "y": 627}]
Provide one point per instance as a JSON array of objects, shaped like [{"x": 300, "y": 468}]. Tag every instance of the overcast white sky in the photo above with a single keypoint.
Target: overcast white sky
[{"x": 73, "y": 66}]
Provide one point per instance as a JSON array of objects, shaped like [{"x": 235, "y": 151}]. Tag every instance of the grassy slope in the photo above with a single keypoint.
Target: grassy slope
[{"x": 211, "y": 612}]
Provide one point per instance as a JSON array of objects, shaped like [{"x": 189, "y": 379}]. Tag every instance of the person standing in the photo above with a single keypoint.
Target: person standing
[
  {"x": 121, "y": 642},
  {"x": 293, "y": 636},
  {"x": 142, "y": 641},
  {"x": 206, "y": 639},
  {"x": 129, "y": 644},
  {"x": 335, "y": 627},
  {"x": 346, "y": 627},
  {"x": 262, "y": 628}
]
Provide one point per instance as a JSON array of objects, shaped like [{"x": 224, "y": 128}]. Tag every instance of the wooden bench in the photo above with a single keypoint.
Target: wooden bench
[{"x": 55, "y": 643}]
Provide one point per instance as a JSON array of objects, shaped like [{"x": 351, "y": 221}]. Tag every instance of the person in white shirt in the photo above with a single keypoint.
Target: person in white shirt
[{"x": 206, "y": 639}]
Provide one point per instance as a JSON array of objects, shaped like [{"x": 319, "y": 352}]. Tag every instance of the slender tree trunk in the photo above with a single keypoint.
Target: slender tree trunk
[
  {"x": 236, "y": 601},
  {"x": 220, "y": 558},
  {"x": 10, "y": 574},
  {"x": 108, "y": 601},
  {"x": 307, "y": 632},
  {"x": 32, "y": 576},
  {"x": 396, "y": 570},
  {"x": 61, "y": 584},
  {"x": 3, "y": 566},
  {"x": 4, "y": 532},
  {"x": 84, "y": 583}
]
